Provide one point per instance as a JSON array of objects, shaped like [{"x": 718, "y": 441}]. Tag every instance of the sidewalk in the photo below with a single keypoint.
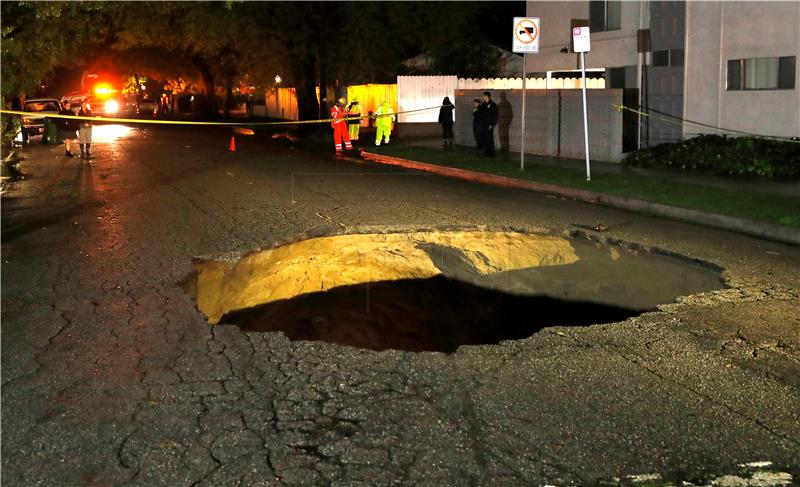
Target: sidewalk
[
  {"x": 790, "y": 189},
  {"x": 764, "y": 209}
]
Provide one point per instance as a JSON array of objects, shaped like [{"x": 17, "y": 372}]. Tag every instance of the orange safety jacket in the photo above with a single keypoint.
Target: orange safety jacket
[{"x": 337, "y": 114}]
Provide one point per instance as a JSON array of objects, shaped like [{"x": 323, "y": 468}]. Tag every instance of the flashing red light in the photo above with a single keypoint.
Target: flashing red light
[{"x": 104, "y": 89}]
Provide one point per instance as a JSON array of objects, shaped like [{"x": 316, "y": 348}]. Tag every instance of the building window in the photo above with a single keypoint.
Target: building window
[
  {"x": 605, "y": 15},
  {"x": 667, "y": 57},
  {"x": 763, "y": 73},
  {"x": 615, "y": 78},
  {"x": 660, "y": 58},
  {"x": 786, "y": 72},
  {"x": 676, "y": 57}
]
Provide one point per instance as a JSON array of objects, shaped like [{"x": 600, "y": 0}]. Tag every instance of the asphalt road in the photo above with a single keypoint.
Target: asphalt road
[{"x": 110, "y": 375}]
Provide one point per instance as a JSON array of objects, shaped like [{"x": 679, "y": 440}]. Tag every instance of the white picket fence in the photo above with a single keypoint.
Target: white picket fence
[{"x": 423, "y": 92}]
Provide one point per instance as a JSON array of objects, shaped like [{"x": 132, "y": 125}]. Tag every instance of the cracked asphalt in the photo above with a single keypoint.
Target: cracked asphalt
[{"x": 111, "y": 376}]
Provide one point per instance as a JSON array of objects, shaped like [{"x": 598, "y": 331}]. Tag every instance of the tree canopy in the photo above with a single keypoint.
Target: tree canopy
[{"x": 309, "y": 44}]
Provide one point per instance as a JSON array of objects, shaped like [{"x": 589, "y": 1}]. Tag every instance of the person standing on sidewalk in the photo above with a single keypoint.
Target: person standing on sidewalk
[
  {"x": 383, "y": 122},
  {"x": 85, "y": 131},
  {"x": 488, "y": 116},
  {"x": 476, "y": 125},
  {"x": 68, "y": 128},
  {"x": 354, "y": 110},
  {"x": 446, "y": 119},
  {"x": 339, "y": 125}
]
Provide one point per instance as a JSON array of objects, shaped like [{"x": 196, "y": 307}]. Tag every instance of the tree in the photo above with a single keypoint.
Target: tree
[
  {"x": 469, "y": 58},
  {"x": 309, "y": 43},
  {"x": 38, "y": 37}
]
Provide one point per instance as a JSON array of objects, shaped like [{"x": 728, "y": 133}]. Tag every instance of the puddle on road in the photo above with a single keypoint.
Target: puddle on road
[{"x": 438, "y": 290}]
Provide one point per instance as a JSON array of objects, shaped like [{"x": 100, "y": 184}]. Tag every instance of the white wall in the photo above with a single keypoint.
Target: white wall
[
  {"x": 553, "y": 122},
  {"x": 609, "y": 49},
  {"x": 421, "y": 93},
  {"x": 719, "y": 31},
  {"x": 426, "y": 93}
]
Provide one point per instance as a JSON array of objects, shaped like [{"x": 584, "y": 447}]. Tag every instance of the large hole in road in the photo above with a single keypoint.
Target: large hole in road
[{"x": 436, "y": 291}]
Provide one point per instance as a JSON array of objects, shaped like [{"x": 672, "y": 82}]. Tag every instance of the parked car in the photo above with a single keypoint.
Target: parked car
[
  {"x": 34, "y": 125},
  {"x": 147, "y": 107},
  {"x": 108, "y": 106},
  {"x": 75, "y": 98}
]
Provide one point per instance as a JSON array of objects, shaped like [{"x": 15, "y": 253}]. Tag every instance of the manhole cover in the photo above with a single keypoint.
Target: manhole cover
[{"x": 438, "y": 290}]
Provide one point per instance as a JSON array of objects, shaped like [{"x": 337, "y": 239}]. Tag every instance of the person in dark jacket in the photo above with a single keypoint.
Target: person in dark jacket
[
  {"x": 488, "y": 116},
  {"x": 476, "y": 125},
  {"x": 67, "y": 129},
  {"x": 446, "y": 119}
]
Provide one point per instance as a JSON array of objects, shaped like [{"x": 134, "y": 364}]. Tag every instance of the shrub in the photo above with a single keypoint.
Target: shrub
[{"x": 722, "y": 155}]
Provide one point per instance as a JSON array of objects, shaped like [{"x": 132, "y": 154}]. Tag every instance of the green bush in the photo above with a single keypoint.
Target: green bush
[
  {"x": 9, "y": 127},
  {"x": 729, "y": 156}
]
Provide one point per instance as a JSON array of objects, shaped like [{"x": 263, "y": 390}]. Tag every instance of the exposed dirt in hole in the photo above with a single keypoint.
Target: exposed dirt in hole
[
  {"x": 434, "y": 314},
  {"x": 438, "y": 290}
]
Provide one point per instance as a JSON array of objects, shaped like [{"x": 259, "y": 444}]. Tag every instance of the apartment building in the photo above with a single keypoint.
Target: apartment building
[{"x": 721, "y": 64}]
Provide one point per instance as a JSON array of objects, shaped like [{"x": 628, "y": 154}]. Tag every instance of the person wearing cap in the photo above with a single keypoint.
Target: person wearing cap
[
  {"x": 487, "y": 114},
  {"x": 339, "y": 125},
  {"x": 384, "y": 118},
  {"x": 354, "y": 110}
]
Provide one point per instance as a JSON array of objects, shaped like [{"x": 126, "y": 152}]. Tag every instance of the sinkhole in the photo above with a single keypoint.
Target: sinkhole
[{"x": 437, "y": 290}]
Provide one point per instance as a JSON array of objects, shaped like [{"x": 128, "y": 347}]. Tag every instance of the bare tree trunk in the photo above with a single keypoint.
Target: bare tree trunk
[
  {"x": 228, "y": 96},
  {"x": 208, "y": 85},
  {"x": 307, "y": 106},
  {"x": 324, "y": 103},
  {"x": 138, "y": 83}
]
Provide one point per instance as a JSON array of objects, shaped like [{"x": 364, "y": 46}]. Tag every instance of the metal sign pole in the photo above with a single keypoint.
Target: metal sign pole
[
  {"x": 525, "y": 40},
  {"x": 585, "y": 121},
  {"x": 522, "y": 133}
]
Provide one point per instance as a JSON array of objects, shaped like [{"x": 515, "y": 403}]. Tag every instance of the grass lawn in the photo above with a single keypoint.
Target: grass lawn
[{"x": 734, "y": 202}]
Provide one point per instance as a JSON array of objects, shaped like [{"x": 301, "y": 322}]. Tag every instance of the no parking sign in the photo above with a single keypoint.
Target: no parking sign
[{"x": 526, "y": 35}]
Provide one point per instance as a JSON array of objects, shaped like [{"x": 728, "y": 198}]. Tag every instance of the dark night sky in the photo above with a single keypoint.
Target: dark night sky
[{"x": 496, "y": 21}]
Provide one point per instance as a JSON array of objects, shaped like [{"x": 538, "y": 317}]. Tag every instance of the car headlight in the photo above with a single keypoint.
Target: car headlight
[
  {"x": 112, "y": 106},
  {"x": 26, "y": 121}
]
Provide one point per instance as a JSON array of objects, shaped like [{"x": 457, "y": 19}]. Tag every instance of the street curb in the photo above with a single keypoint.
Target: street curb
[{"x": 768, "y": 231}]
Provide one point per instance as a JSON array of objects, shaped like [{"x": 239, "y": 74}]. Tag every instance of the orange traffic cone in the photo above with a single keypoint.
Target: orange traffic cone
[{"x": 232, "y": 147}]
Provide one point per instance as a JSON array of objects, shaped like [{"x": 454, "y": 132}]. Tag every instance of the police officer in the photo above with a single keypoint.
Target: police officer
[
  {"x": 477, "y": 128},
  {"x": 487, "y": 115}
]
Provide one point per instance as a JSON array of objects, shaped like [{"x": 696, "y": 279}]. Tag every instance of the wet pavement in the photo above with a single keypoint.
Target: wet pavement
[{"x": 111, "y": 375}]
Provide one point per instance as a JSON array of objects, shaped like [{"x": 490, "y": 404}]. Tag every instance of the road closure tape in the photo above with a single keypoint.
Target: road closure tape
[
  {"x": 666, "y": 117},
  {"x": 221, "y": 124}
]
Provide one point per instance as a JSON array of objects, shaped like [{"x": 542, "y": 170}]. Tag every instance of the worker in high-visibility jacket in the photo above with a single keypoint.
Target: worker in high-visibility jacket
[
  {"x": 354, "y": 110},
  {"x": 339, "y": 125},
  {"x": 383, "y": 121}
]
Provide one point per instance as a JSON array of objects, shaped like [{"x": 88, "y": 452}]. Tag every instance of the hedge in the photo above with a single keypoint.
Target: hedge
[{"x": 745, "y": 157}]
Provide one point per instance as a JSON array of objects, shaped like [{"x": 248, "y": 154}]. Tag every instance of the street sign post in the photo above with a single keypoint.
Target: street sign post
[
  {"x": 525, "y": 40},
  {"x": 580, "y": 41}
]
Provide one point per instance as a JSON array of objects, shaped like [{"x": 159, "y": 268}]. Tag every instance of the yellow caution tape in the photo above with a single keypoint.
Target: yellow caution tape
[
  {"x": 186, "y": 122},
  {"x": 679, "y": 121}
]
